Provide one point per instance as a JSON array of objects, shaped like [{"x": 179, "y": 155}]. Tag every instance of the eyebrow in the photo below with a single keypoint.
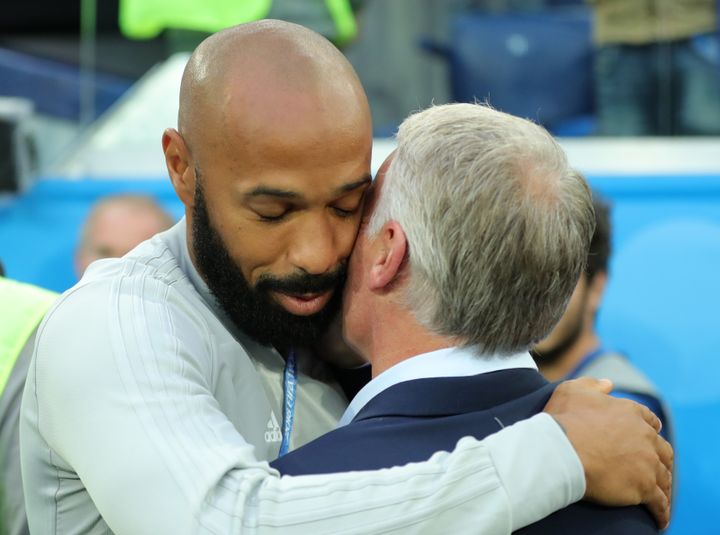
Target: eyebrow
[
  {"x": 366, "y": 179},
  {"x": 264, "y": 191}
]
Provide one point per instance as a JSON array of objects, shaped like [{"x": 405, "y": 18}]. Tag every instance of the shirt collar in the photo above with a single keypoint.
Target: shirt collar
[{"x": 448, "y": 362}]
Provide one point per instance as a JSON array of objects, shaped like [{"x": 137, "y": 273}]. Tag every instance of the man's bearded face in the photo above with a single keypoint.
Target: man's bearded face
[{"x": 251, "y": 308}]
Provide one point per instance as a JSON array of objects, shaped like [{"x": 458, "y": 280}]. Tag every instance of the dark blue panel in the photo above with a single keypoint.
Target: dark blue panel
[
  {"x": 54, "y": 87},
  {"x": 534, "y": 65}
]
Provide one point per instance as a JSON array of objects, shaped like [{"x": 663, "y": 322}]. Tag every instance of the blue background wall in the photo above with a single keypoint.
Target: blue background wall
[{"x": 660, "y": 309}]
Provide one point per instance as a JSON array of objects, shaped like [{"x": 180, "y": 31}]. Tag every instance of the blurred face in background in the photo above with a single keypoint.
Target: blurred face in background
[
  {"x": 568, "y": 329},
  {"x": 576, "y": 328},
  {"x": 116, "y": 226}
]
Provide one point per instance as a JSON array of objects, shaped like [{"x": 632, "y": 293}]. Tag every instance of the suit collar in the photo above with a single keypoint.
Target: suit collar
[
  {"x": 447, "y": 396},
  {"x": 448, "y": 362}
]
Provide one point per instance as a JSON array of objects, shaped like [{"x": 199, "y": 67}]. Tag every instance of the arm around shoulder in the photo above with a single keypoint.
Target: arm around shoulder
[{"x": 122, "y": 398}]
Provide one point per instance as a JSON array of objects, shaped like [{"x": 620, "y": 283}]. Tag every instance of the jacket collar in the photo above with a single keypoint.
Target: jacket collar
[
  {"x": 447, "y": 362},
  {"x": 447, "y": 396}
]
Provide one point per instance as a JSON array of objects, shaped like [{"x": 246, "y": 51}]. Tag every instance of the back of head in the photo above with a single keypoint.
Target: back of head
[{"x": 498, "y": 225}]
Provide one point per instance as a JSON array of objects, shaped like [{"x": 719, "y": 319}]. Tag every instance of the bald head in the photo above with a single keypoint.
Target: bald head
[
  {"x": 252, "y": 78},
  {"x": 116, "y": 225}
]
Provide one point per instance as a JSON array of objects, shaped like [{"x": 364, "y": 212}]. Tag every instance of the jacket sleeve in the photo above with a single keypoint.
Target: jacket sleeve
[{"x": 123, "y": 401}]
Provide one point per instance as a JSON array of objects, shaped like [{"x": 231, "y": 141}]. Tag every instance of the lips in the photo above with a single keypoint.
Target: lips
[{"x": 303, "y": 304}]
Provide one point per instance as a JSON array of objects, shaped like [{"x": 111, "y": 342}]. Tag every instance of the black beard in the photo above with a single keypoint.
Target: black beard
[
  {"x": 252, "y": 309},
  {"x": 553, "y": 355}
]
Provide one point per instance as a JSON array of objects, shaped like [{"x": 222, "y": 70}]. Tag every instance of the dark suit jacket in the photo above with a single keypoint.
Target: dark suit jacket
[{"x": 412, "y": 420}]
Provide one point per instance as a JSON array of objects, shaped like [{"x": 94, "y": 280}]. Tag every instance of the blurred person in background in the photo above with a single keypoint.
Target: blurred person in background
[
  {"x": 117, "y": 224},
  {"x": 22, "y": 306},
  {"x": 574, "y": 348},
  {"x": 657, "y": 67}
]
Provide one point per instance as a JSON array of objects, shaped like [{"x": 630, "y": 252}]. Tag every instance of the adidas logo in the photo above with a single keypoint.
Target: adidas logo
[{"x": 273, "y": 433}]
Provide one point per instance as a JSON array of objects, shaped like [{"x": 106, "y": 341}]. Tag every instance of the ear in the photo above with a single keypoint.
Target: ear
[
  {"x": 596, "y": 290},
  {"x": 179, "y": 166},
  {"x": 389, "y": 250}
]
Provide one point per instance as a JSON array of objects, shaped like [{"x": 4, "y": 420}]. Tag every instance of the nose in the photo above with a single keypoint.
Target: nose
[{"x": 315, "y": 248}]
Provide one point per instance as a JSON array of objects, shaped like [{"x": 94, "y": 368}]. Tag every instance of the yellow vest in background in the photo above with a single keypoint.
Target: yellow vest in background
[
  {"x": 22, "y": 306},
  {"x": 144, "y": 19}
]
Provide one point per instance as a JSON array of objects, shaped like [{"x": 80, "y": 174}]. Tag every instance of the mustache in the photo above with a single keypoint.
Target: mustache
[{"x": 303, "y": 283}]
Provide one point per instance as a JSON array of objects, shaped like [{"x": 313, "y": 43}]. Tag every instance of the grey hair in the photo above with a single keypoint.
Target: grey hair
[{"x": 498, "y": 224}]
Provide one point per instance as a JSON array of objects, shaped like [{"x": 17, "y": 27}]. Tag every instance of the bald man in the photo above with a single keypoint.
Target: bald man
[
  {"x": 117, "y": 224},
  {"x": 165, "y": 380}
]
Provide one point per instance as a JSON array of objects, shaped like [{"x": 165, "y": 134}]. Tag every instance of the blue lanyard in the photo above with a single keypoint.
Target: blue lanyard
[{"x": 290, "y": 391}]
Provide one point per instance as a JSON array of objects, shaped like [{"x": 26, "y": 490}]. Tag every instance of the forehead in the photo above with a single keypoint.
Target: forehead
[
  {"x": 280, "y": 117},
  {"x": 303, "y": 123},
  {"x": 122, "y": 227},
  {"x": 298, "y": 144}
]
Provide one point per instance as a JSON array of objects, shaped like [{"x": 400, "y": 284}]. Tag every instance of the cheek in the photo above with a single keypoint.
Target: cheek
[
  {"x": 354, "y": 276},
  {"x": 355, "y": 279},
  {"x": 255, "y": 250},
  {"x": 347, "y": 236},
  {"x": 356, "y": 303},
  {"x": 351, "y": 306}
]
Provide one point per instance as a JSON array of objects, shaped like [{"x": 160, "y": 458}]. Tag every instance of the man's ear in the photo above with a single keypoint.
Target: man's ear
[
  {"x": 177, "y": 159},
  {"x": 389, "y": 250}
]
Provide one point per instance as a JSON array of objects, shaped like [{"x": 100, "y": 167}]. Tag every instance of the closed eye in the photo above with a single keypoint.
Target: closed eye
[
  {"x": 273, "y": 218},
  {"x": 350, "y": 204},
  {"x": 343, "y": 212}
]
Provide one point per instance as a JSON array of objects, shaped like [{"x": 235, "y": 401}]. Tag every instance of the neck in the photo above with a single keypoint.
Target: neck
[
  {"x": 559, "y": 369},
  {"x": 396, "y": 336}
]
